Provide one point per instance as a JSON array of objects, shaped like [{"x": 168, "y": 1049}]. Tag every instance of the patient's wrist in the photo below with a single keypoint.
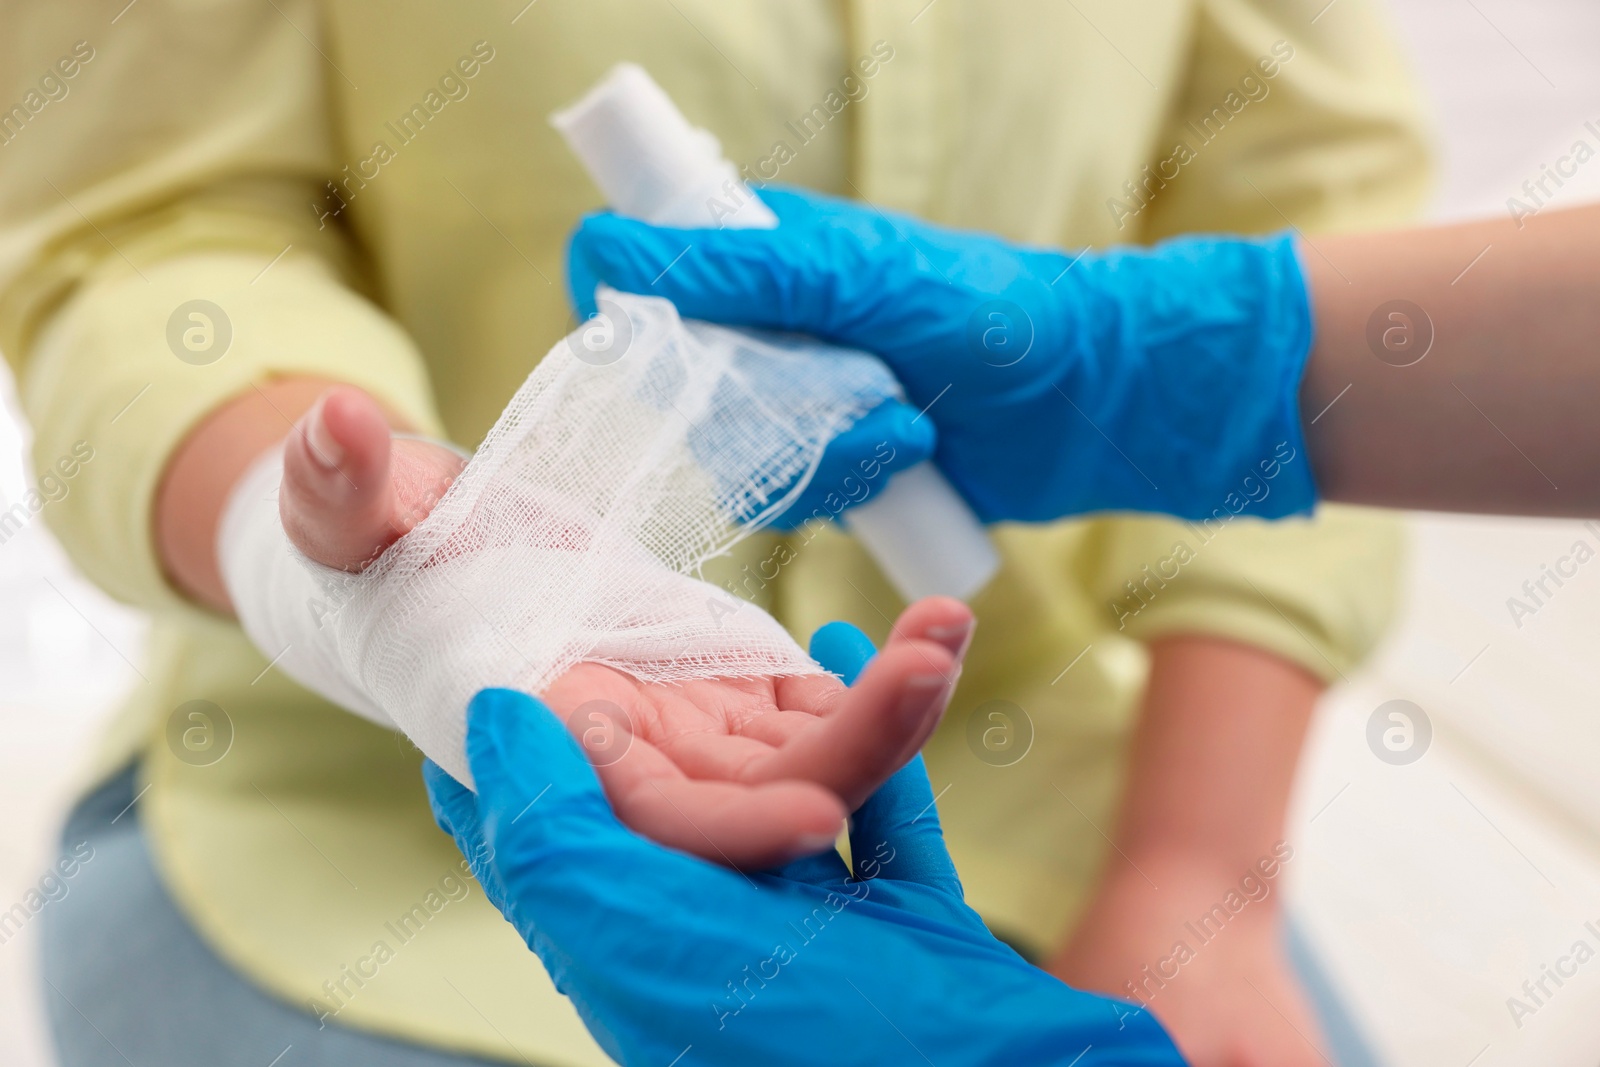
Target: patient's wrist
[{"x": 203, "y": 471}]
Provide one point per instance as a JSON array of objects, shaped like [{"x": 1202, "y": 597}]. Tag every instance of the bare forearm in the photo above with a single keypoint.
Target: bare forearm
[
  {"x": 1204, "y": 805},
  {"x": 1497, "y": 414},
  {"x": 1215, "y": 754}
]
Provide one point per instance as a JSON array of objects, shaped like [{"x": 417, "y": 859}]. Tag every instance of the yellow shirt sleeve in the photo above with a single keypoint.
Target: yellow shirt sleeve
[
  {"x": 159, "y": 253},
  {"x": 1334, "y": 138},
  {"x": 1316, "y": 593}
]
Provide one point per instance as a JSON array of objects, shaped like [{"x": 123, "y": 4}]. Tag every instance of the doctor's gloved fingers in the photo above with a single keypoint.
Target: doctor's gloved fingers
[
  {"x": 841, "y": 648},
  {"x": 581, "y": 280},
  {"x": 897, "y": 834},
  {"x": 455, "y": 807},
  {"x": 349, "y": 490},
  {"x": 539, "y": 798},
  {"x": 736, "y": 285},
  {"x": 563, "y": 868},
  {"x": 837, "y": 269},
  {"x": 871, "y": 729},
  {"x": 455, "y": 811},
  {"x": 825, "y": 868},
  {"x": 859, "y": 462}
]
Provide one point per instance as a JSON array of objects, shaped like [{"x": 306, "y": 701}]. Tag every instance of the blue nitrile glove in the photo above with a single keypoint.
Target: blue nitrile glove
[
  {"x": 1159, "y": 379},
  {"x": 663, "y": 953},
  {"x": 855, "y": 466}
]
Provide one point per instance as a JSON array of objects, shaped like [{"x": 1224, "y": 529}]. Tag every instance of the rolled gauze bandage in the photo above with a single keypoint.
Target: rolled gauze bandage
[
  {"x": 284, "y": 601},
  {"x": 651, "y": 164},
  {"x": 575, "y": 532}
]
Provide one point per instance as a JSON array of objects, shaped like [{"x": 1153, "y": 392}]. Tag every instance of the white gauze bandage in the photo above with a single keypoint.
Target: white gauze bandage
[{"x": 640, "y": 447}]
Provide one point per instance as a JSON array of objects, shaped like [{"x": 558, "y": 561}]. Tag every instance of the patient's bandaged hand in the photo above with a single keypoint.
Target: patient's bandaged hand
[{"x": 573, "y": 535}]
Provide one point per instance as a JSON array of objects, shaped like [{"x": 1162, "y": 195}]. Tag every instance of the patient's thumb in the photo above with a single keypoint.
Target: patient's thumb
[{"x": 350, "y": 489}]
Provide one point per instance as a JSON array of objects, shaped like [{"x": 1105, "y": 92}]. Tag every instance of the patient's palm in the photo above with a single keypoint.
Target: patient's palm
[
  {"x": 755, "y": 771},
  {"x": 749, "y": 772}
]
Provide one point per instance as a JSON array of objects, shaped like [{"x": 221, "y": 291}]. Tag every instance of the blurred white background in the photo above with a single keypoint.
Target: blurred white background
[
  {"x": 1431, "y": 891},
  {"x": 62, "y": 671}
]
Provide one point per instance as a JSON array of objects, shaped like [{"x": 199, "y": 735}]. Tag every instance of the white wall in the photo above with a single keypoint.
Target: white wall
[
  {"x": 1435, "y": 890},
  {"x": 62, "y": 670}
]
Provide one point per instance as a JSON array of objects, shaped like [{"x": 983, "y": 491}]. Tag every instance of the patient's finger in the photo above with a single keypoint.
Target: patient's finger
[
  {"x": 940, "y": 619},
  {"x": 736, "y": 824},
  {"x": 878, "y": 724},
  {"x": 751, "y": 827},
  {"x": 933, "y": 621},
  {"x": 943, "y": 620},
  {"x": 711, "y": 753},
  {"x": 775, "y": 728}
]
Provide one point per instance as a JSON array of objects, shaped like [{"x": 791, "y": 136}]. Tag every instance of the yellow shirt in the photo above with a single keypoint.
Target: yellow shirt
[{"x": 369, "y": 191}]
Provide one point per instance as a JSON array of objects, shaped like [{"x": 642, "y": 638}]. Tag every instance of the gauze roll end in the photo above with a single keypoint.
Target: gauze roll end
[
  {"x": 924, "y": 536},
  {"x": 650, "y": 163}
]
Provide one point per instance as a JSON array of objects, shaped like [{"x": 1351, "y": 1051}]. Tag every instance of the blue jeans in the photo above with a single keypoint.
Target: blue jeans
[{"x": 129, "y": 981}]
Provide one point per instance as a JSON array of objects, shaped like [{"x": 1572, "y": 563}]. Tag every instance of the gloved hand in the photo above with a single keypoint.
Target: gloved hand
[
  {"x": 857, "y": 464},
  {"x": 1150, "y": 379},
  {"x": 661, "y": 952}
]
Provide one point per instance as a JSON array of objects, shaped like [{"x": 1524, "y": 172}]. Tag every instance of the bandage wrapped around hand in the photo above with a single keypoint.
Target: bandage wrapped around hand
[{"x": 640, "y": 447}]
